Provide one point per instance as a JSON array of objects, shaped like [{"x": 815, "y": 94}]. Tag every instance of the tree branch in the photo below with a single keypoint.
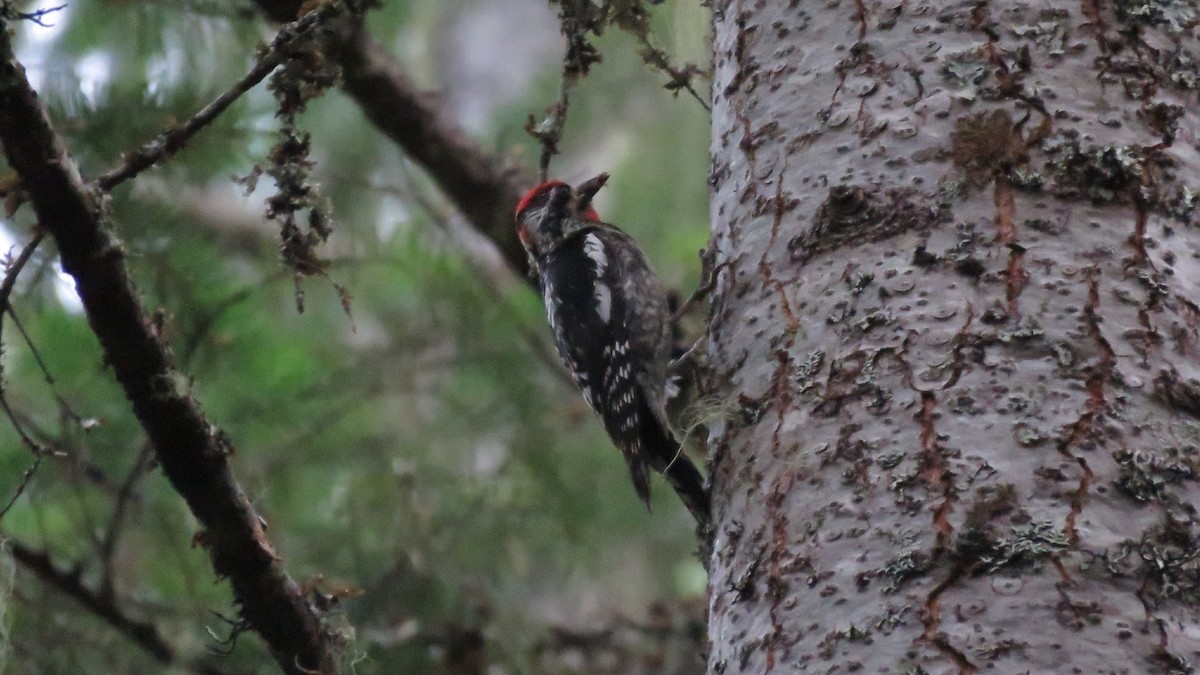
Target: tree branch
[
  {"x": 108, "y": 544},
  {"x": 143, "y": 634},
  {"x": 14, "y": 268},
  {"x": 483, "y": 186},
  {"x": 192, "y": 453},
  {"x": 10, "y": 13},
  {"x": 172, "y": 140}
]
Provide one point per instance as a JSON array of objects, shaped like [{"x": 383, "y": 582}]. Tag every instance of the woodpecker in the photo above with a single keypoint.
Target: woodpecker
[{"x": 612, "y": 327}]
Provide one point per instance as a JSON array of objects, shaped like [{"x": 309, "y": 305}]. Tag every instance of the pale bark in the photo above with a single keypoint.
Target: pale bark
[{"x": 954, "y": 337}]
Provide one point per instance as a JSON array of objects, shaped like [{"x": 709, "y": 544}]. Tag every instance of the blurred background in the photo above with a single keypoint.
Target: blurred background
[{"x": 425, "y": 460}]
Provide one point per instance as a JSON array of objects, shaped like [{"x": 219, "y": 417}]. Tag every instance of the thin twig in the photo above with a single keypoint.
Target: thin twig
[
  {"x": 112, "y": 533},
  {"x": 144, "y": 634},
  {"x": 6, "y": 289},
  {"x": 681, "y": 78},
  {"x": 549, "y": 132},
  {"x": 709, "y": 272},
  {"x": 37, "y": 356},
  {"x": 194, "y": 338},
  {"x": 493, "y": 278},
  {"x": 38, "y": 17},
  {"x": 33, "y": 445},
  {"x": 579, "y": 57},
  {"x": 172, "y": 140},
  {"x": 18, "y": 264},
  {"x": 64, "y": 448},
  {"x": 25, "y": 478}
]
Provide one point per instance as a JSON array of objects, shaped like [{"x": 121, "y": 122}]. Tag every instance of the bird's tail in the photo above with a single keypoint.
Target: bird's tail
[{"x": 664, "y": 455}]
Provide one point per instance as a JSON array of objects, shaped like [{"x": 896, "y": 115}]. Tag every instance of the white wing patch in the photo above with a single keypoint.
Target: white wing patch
[
  {"x": 548, "y": 298},
  {"x": 603, "y": 301},
  {"x": 594, "y": 248}
]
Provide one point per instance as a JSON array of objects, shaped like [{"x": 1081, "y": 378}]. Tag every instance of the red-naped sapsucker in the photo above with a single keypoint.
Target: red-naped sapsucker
[{"x": 612, "y": 327}]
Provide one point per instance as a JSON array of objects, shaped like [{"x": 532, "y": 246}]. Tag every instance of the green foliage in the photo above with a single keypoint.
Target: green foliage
[
  {"x": 424, "y": 460},
  {"x": 7, "y": 571}
]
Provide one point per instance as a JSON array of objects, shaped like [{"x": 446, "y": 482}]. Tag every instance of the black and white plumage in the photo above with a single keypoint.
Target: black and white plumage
[{"x": 612, "y": 327}]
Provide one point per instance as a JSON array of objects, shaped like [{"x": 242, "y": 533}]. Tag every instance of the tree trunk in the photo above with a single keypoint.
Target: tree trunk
[{"x": 956, "y": 318}]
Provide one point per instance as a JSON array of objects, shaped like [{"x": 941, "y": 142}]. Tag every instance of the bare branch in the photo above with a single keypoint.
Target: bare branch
[
  {"x": 681, "y": 76},
  {"x": 8, "y": 12},
  {"x": 14, "y": 268},
  {"x": 6, "y": 288},
  {"x": 39, "y": 451},
  {"x": 144, "y": 634},
  {"x": 41, "y": 362},
  {"x": 172, "y": 140},
  {"x": 635, "y": 20},
  {"x": 494, "y": 275},
  {"x": 25, "y": 478},
  {"x": 108, "y": 544},
  {"x": 484, "y": 187},
  {"x": 191, "y": 451},
  {"x": 578, "y": 59}
]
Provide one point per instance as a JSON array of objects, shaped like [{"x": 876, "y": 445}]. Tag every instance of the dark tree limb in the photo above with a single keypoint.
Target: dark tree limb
[
  {"x": 192, "y": 452},
  {"x": 483, "y": 186},
  {"x": 144, "y": 634}
]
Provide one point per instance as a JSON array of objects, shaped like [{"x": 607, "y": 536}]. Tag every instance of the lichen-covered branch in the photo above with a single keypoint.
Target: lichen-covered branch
[
  {"x": 191, "y": 451},
  {"x": 173, "y": 140},
  {"x": 481, "y": 185}
]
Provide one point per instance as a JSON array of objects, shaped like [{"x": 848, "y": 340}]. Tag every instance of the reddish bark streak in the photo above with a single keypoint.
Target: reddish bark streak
[
  {"x": 764, "y": 266},
  {"x": 1006, "y": 232},
  {"x": 1010, "y": 85},
  {"x": 936, "y": 475},
  {"x": 860, "y": 17},
  {"x": 1150, "y": 336},
  {"x": 1062, "y": 570},
  {"x": 793, "y": 323},
  {"x": 1138, "y": 239},
  {"x": 1096, "y": 404},
  {"x": 776, "y": 587},
  {"x": 781, "y": 391},
  {"x": 932, "y": 619},
  {"x": 1091, "y": 10},
  {"x": 934, "y": 469},
  {"x": 1015, "y": 276},
  {"x": 960, "y": 341}
]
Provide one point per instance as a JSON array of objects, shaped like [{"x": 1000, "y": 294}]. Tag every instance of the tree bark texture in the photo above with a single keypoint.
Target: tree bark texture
[{"x": 954, "y": 335}]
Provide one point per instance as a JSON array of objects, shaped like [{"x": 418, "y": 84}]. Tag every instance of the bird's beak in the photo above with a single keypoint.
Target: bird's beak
[{"x": 588, "y": 189}]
